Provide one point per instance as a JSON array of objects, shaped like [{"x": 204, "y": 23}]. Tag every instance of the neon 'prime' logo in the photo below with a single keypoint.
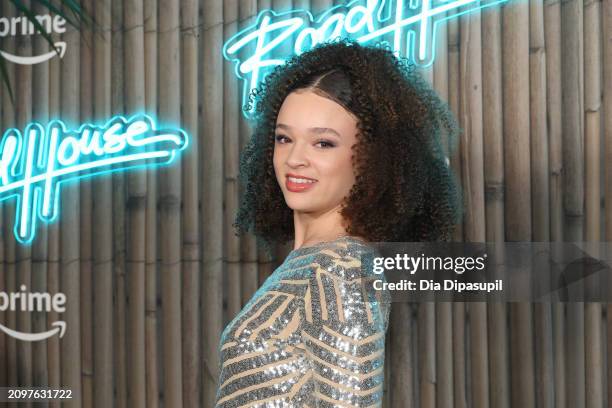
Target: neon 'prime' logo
[
  {"x": 409, "y": 27},
  {"x": 35, "y": 164}
]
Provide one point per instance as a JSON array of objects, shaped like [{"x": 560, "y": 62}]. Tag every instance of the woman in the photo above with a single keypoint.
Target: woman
[{"x": 346, "y": 151}]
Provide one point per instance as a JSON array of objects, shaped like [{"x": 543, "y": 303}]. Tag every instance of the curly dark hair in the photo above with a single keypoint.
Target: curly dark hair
[{"x": 404, "y": 190}]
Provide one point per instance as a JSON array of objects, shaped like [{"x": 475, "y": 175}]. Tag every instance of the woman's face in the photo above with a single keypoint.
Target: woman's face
[{"x": 312, "y": 152}]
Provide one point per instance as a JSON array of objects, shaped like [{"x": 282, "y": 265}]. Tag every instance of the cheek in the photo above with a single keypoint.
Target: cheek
[
  {"x": 276, "y": 160},
  {"x": 341, "y": 168}
]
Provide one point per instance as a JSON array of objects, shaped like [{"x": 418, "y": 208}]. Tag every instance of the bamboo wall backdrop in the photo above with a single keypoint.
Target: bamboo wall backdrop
[{"x": 153, "y": 272}]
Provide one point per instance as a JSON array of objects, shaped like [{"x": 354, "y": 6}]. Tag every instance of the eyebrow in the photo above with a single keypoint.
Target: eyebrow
[{"x": 316, "y": 130}]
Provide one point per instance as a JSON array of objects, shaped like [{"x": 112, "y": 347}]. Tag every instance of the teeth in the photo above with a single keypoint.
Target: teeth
[{"x": 299, "y": 180}]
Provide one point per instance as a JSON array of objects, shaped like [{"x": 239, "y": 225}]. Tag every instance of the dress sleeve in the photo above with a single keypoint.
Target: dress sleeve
[{"x": 344, "y": 333}]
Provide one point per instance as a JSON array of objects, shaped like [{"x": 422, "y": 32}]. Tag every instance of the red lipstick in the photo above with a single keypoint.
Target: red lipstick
[{"x": 297, "y": 187}]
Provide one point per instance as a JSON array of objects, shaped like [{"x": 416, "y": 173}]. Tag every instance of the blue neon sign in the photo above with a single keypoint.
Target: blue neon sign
[
  {"x": 398, "y": 23},
  {"x": 34, "y": 164}
]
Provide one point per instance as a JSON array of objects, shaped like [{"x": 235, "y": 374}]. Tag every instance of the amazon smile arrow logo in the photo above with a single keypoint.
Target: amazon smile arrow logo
[
  {"x": 60, "y": 49},
  {"x": 25, "y": 301},
  {"x": 14, "y": 26},
  {"x": 60, "y": 328}
]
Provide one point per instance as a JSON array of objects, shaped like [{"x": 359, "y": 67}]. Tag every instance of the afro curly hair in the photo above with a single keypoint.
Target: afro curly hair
[{"x": 404, "y": 190}]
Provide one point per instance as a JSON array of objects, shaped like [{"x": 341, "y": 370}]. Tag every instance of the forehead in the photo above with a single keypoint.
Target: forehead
[{"x": 306, "y": 109}]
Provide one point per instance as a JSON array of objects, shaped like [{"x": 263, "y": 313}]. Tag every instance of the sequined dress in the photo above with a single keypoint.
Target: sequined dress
[{"x": 311, "y": 336}]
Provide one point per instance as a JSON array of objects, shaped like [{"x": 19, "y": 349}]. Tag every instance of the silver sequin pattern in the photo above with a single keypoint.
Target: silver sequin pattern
[{"x": 311, "y": 336}]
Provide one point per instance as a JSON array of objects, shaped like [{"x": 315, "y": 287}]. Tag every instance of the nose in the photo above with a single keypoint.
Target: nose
[{"x": 298, "y": 156}]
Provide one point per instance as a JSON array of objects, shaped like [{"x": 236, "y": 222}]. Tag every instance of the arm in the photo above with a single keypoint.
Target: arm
[{"x": 344, "y": 335}]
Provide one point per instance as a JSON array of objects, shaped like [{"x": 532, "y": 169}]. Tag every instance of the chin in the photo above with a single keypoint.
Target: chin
[{"x": 302, "y": 205}]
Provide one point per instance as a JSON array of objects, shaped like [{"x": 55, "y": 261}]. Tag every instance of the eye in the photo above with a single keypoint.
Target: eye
[
  {"x": 282, "y": 139},
  {"x": 325, "y": 144}
]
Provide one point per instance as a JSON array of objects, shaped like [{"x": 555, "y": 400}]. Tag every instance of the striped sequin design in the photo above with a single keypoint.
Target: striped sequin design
[{"x": 311, "y": 336}]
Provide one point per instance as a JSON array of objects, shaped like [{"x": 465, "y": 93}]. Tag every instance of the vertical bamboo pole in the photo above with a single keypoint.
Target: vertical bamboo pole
[
  {"x": 170, "y": 206},
  {"x": 3, "y": 314},
  {"x": 86, "y": 101},
  {"x": 3, "y": 350},
  {"x": 387, "y": 373},
  {"x": 607, "y": 132},
  {"x": 516, "y": 120},
  {"x": 499, "y": 365},
  {"x": 541, "y": 197},
  {"x": 473, "y": 173},
  {"x": 444, "y": 353},
  {"x": 552, "y": 25},
  {"x": 543, "y": 333},
  {"x": 479, "y": 354},
  {"x": 249, "y": 265},
  {"x": 493, "y": 143},
  {"x": 454, "y": 92},
  {"x": 539, "y": 136},
  {"x": 521, "y": 351},
  {"x": 573, "y": 145},
  {"x": 150, "y": 56},
  {"x": 281, "y": 52},
  {"x": 453, "y": 101},
  {"x": 444, "y": 317},
  {"x": 23, "y": 96},
  {"x": 544, "y": 354},
  {"x": 212, "y": 191},
  {"x": 297, "y": 5},
  {"x": 594, "y": 356},
  {"x": 559, "y": 355},
  {"x": 10, "y": 248},
  {"x": 573, "y": 197},
  {"x": 117, "y": 104},
  {"x": 493, "y": 136},
  {"x": 440, "y": 66},
  {"x": 53, "y": 238},
  {"x": 136, "y": 206},
  {"x": 575, "y": 349},
  {"x": 281, "y": 250},
  {"x": 402, "y": 375},
  {"x": 518, "y": 186},
  {"x": 552, "y": 33},
  {"x": 267, "y": 260},
  {"x": 69, "y": 219},
  {"x": 459, "y": 364},
  {"x": 40, "y": 113},
  {"x": 592, "y": 134},
  {"x": 231, "y": 145},
  {"x": 414, "y": 350},
  {"x": 426, "y": 321},
  {"x": 191, "y": 231},
  {"x": 102, "y": 213},
  {"x": 607, "y": 77},
  {"x": 607, "y": 123},
  {"x": 8, "y": 120},
  {"x": 427, "y": 353}
]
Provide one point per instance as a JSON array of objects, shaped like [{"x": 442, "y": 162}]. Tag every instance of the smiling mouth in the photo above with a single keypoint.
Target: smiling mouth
[
  {"x": 297, "y": 184},
  {"x": 300, "y": 180}
]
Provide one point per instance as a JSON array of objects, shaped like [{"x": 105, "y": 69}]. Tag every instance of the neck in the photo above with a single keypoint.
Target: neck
[{"x": 312, "y": 228}]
